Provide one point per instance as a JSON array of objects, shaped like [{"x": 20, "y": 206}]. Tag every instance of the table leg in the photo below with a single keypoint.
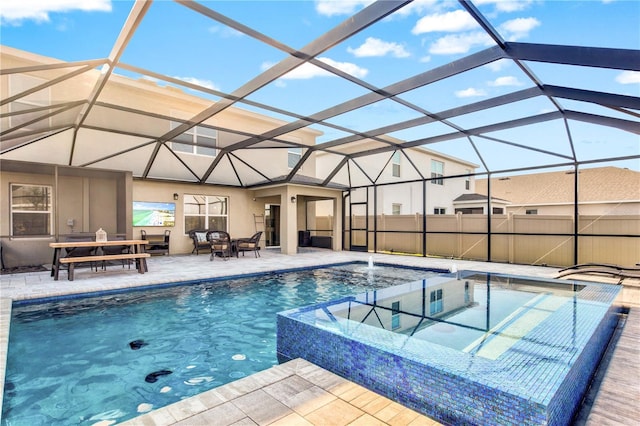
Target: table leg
[
  {"x": 141, "y": 263},
  {"x": 55, "y": 264}
]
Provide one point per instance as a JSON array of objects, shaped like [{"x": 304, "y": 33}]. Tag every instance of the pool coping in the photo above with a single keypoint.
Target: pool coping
[{"x": 5, "y": 325}]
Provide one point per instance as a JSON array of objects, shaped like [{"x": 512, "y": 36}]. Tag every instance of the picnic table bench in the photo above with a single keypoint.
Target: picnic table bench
[{"x": 138, "y": 254}]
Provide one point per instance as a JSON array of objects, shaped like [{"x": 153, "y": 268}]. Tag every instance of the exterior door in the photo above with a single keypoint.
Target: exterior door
[
  {"x": 359, "y": 226},
  {"x": 272, "y": 225}
]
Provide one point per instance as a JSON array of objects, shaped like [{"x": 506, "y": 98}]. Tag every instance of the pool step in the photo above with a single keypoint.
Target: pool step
[{"x": 507, "y": 332}]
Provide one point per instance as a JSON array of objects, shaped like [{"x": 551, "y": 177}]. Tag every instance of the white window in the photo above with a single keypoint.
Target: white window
[
  {"x": 198, "y": 140},
  {"x": 437, "y": 171},
  {"x": 206, "y": 212},
  {"x": 467, "y": 180},
  {"x": 293, "y": 157},
  {"x": 20, "y": 84},
  {"x": 435, "y": 302},
  {"x": 395, "y": 315},
  {"x": 439, "y": 210},
  {"x": 31, "y": 210},
  {"x": 396, "y": 208},
  {"x": 395, "y": 164},
  {"x": 531, "y": 211}
]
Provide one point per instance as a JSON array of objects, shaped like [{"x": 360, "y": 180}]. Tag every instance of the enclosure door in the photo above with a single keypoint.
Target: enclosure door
[
  {"x": 359, "y": 226},
  {"x": 272, "y": 225}
]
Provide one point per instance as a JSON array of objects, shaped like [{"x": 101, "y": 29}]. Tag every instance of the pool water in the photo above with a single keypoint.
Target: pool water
[
  {"x": 103, "y": 360},
  {"x": 468, "y": 314}
]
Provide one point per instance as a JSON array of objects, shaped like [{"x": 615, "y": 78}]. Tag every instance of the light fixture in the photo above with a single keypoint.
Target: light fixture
[
  {"x": 175, "y": 195},
  {"x": 293, "y": 199}
]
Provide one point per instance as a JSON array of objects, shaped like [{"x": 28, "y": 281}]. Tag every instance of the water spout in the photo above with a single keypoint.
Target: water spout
[
  {"x": 370, "y": 262},
  {"x": 454, "y": 270}
]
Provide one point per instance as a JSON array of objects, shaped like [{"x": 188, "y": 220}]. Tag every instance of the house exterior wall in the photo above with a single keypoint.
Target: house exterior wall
[
  {"x": 240, "y": 204},
  {"x": 410, "y": 195},
  {"x": 591, "y": 208},
  {"x": 160, "y": 103}
]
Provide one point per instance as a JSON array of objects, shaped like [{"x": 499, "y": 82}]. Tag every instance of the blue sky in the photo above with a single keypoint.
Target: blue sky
[{"x": 180, "y": 43}]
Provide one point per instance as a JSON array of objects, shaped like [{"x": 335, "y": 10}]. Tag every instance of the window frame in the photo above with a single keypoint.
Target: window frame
[
  {"x": 436, "y": 304},
  {"x": 437, "y": 175},
  {"x": 439, "y": 210},
  {"x": 206, "y": 202},
  {"x": 395, "y": 315},
  {"x": 396, "y": 207},
  {"x": 395, "y": 164},
  {"x": 49, "y": 211},
  {"x": 194, "y": 134}
]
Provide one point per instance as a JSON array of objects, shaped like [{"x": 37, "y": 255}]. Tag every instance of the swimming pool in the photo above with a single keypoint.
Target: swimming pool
[
  {"x": 110, "y": 358},
  {"x": 475, "y": 348}
]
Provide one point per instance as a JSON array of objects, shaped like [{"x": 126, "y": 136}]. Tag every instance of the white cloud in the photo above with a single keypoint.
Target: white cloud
[
  {"x": 470, "y": 93},
  {"x": 224, "y": 31},
  {"x": 419, "y": 7},
  {"x": 507, "y": 80},
  {"x": 307, "y": 71},
  {"x": 516, "y": 29},
  {"x": 506, "y": 5},
  {"x": 457, "y": 20},
  {"x": 455, "y": 44},
  {"x": 628, "y": 77},
  {"x": 14, "y": 12},
  {"x": 499, "y": 65},
  {"x": 340, "y": 7},
  {"x": 425, "y": 59},
  {"x": 204, "y": 83},
  {"x": 376, "y": 47}
]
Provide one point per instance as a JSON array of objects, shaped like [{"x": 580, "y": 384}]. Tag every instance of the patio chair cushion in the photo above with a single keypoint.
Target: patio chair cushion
[
  {"x": 246, "y": 244},
  {"x": 201, "y": 236}
]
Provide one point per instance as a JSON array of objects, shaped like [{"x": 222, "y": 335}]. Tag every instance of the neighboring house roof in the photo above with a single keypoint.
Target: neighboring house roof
[
  {"x": 475, "y": 197},
  {"x": 599, "y": 184}
]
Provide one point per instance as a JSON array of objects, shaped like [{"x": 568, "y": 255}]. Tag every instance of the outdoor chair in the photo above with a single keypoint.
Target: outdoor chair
[
  {"x": 220, "y": 242},
  {"x": 249, "y": 244},
  {"x": 81, "y": 251},
  {"x": 199, "y": 239},
  {"x": 124, "y": 249}
]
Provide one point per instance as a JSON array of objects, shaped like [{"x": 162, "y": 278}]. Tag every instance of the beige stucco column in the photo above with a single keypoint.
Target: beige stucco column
[
  {"x": 288, "y": 222},
  {"x": 337, "y": 223}
]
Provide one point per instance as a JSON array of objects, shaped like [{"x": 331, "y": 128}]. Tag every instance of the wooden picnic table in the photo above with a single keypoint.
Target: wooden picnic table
[{"x": 137, "y": 253}]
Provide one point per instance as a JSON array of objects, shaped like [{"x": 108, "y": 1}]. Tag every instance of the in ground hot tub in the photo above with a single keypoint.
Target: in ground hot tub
[{"x": 473, "y": 348}]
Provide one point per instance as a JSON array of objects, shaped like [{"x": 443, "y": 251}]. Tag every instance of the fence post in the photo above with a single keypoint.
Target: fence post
[
  {"x": 459, "y": 229},
  {"x": 511, "y": 240}
]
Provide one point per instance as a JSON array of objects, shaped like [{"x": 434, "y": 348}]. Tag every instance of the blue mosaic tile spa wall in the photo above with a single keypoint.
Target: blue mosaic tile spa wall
[{"x": 540, "y": 380}]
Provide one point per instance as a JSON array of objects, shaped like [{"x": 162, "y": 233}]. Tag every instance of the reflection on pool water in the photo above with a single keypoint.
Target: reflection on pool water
[
  {"x": 472, "y": 348},
  {"x": 107, "y": 359},
  {"x": 473, "y": 315}
]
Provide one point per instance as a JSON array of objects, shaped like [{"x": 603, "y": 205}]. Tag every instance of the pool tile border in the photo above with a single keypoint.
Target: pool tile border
[{"x": 427, "y": 377}]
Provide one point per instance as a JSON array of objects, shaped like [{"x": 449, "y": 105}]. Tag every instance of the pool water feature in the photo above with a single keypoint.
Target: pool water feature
[
  {"x": 103, "y": 360},
  {"x": 467, "y": 348}
]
